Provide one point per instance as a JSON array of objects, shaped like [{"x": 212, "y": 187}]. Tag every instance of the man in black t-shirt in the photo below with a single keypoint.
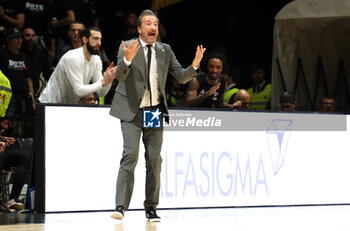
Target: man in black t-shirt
[
  {"x": 38, "y": 60},
  {"x": 14, "y": 64},
  {"x": 62, "y": 16},
  {"x": 37, "y": 15},
  {"x": 209, "y": 93},
  {"x": 11, "y": 15},
  {"x": 207, "y": 90},
  {"x": 86, "y": 12}
]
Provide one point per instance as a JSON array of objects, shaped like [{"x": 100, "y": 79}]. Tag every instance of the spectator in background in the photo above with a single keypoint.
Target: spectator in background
[
  {"x": 14, "y": 64},
  {"x": 91, "y": 98},
  {"x": 260, "y": 93},
  {"x": 11, "y": 15},
  {"x": 86, "y": 12},
  {"x": 129, "y": 30},
  {"x": 176, "y": 93},
  {"x": 287, "y": 101},
  {"x": 327, "y": 104},
  {"x": 241, "y": 100},
  {"x": 231, "y": 89},
  {"x": 62, "y": 16},
  {"x": 130, "y": 27},
  {"x": 75, "y": 41},
  {"x": 207, "y": 89},
  {"x": 38, "y": 60},
  {"x": 13, "y": 156},
  {"x": 37, "y": 17}
]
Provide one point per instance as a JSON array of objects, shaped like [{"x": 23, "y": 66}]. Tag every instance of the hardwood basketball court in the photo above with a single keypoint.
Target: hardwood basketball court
[{"x": 237, "y": 219}]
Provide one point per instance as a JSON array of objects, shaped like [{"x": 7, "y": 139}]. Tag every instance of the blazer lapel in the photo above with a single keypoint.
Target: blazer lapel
[
  {"x": 160, "y": 54},
  {"x": 140, "y": 61}
]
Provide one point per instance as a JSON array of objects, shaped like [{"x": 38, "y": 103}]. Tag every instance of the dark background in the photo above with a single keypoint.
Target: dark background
[{"x": 242, "y": 30}]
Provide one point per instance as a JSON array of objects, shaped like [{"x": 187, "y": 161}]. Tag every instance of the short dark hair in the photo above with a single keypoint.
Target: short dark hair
[
  {"x": 328, "y": 97},
  {"x": 76, "y": 22},
  {"x": 143, "y": 14},
  {"x": 215, "y": 55},
  {"x": 256, "y": 67},
  {"x": 87, "y": 32}
]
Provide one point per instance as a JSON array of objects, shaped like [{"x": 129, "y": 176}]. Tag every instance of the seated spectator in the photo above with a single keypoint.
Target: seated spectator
[
  {"x": 176, "y": 93},
  {"x": 38, "y": 60},
  {"x": 207, "y": 89},
  {"x": 75, "y": 41},
  {"x": 327, "y": 104},
  {"x": 37, "y": 16},
  {"x": 62, "y": 15},
  {"x": 15, "y": 65},
  {"x": 86, "y": 12},
  {"x": 232, "y": 89},
  {"x": 130, "y": 27},
  {"x": 241, "y": 100},
  {"x": 287, "y": 101},
  {"x": 20, "y": 160},
  {"x": 129, "y": 30},
  {"x": 260, "y": 93},
  {"x": 91, "y": 98},
  {"x": 11, "y": 15}
]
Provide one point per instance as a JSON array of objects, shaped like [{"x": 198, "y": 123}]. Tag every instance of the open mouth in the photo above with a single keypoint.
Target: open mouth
[
  {"x": 152, "y": 34},
  {"x": 214, "y": 75}
]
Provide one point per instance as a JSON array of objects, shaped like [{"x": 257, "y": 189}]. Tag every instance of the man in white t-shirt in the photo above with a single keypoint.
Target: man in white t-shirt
[{"x": 76, "y": 69}]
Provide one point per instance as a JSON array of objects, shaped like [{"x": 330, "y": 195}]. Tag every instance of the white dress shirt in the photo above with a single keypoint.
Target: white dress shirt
[{"x": 153, "y": 75}]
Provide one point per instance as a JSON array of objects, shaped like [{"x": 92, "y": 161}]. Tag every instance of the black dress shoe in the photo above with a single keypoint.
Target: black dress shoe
[
  {"x": 119, "y": 213},
  {"x": 152, "y": 215}
]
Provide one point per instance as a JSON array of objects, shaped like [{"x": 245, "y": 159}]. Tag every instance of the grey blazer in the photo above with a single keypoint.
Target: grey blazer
[{"x": 132, "y": 79}]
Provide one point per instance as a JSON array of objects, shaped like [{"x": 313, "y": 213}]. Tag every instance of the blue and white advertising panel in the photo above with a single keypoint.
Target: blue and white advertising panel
[{"x": 210, "y": 159}]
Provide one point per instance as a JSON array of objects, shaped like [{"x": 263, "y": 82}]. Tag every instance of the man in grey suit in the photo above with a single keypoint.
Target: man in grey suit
[{"x": 142, "y": 87}]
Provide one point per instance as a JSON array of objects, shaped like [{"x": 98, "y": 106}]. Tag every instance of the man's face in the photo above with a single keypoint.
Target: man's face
[
  {"x": 75, "y": 30},
  {"x": 288, "y": 106},
  {"x": 244, "y": 99},
  {"x": 214, "y": 68},
  {"x": 327, "y": 105},
  {"x": 89, "y": 99},
  {"x": 15, "y": 43},
  {"x": 93, "y": 43},
  {"x": 258, "y": 76},
  {"x": 245, "y": 102},
  {"x": 148, "y": 30},
  {"x": 131, "y": 20},
  {"x": 29, "y": 37}
]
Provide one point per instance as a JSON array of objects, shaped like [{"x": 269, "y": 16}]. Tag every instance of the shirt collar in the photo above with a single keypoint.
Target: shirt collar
[
  {"x": 143, "y": 44},
  {"x": 261, "y": 84}
]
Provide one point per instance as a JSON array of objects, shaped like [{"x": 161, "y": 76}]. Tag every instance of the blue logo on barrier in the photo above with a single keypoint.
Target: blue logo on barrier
[
  {"x": 152, "y": 118},
  {"x": 277, "y": 138}
]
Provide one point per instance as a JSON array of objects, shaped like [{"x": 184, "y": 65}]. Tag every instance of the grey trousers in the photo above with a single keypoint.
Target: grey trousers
[{"x": 152, "y": 139}]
